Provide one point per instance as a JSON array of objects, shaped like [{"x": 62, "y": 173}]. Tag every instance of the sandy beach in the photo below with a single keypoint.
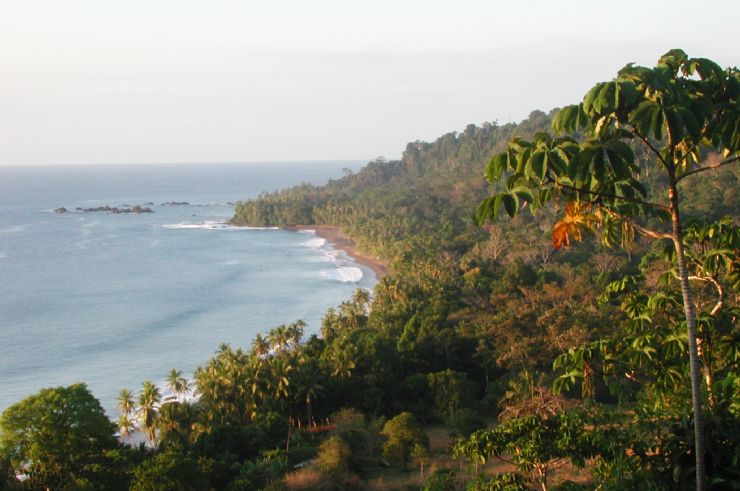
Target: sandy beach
[{"x": 342, "y": 242}]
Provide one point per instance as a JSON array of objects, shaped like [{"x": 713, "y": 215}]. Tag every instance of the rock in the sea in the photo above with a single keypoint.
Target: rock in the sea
[
  {"x": 61, "y": 210},
  {"x": 134, "y": 209},
  {"x": 116, "y": 210}
]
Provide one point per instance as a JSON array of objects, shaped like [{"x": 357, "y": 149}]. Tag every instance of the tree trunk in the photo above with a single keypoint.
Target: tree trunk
[
  {"x": 694, "y": 364},
  {"x": 541, "y": 470}
]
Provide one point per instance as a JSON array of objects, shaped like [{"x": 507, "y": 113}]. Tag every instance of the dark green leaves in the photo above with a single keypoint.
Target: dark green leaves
[
  {"x": 496, "y": 167},
  {"x": 570, "y": 119},
  {"x": 488, "y": 209}
]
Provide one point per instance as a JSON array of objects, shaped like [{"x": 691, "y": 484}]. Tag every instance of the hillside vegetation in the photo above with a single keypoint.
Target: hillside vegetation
[{"x": 547, "y": 367}]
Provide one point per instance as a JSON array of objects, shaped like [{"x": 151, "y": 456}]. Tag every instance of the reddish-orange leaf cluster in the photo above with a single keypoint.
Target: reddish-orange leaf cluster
[{"x": 578, "y": 218}]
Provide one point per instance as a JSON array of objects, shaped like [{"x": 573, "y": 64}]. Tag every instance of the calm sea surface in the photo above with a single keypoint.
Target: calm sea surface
[{"x": 115, "y": 299}]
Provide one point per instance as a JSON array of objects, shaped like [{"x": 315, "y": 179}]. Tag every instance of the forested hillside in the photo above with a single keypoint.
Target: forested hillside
[{"x": 571, "y": 362}]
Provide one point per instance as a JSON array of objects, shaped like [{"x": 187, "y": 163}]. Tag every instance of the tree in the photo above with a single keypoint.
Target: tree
[
  {"x": 177, "y": 384},
  {"x": 125, "y": 402},
  {"x": 678, "y": 111},
  {"x": 334, "y": 455},
  {"x": 403, "y": 433},
  {"x": 56, "y": 435},
  {"x": 149, "y": 399},
  {"x": 126, "y": 426},
  {"x": 535, "y": 444},
  {"x": 308, "y": 386},
  {"x": 452, "y": 390},
  {"x": 169, "y": 471},
  {"x": 421, "y": 455}
]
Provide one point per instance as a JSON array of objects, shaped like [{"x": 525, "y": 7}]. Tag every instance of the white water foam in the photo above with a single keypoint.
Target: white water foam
[
  {"x": 342, "y": 273},
  {"x": 12, "y": 230},
  {"x": 317, "y": 243},
  {"x": 307, "y": 231},
  {"x": 212, "y": 225},
  {"x": 345, "y": 274}
]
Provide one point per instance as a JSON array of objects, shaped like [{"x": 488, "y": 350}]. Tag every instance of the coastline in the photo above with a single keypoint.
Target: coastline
[{"x": 345, "y": 243}]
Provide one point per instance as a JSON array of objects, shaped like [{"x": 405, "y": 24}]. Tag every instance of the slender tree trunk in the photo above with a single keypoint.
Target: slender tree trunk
[
  {"x": 705, "y": 346},
  {"x": 709, "y": 376},
  {"x": 694, "y": 364},
  {"x": 542, "y": 476}
]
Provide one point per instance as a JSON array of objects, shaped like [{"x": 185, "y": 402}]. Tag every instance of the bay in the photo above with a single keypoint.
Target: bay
[{"x": 115, "y": 299}]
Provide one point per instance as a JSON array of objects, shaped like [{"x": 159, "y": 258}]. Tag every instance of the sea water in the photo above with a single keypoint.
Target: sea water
[{"x": 115, "y": 299}]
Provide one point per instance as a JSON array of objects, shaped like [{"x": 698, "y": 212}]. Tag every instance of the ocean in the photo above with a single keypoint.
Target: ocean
[{"x": 115, "y": 299}]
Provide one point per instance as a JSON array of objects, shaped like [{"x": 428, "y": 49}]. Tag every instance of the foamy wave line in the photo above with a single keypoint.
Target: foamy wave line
[
  {"x": 307, "y": 231},
  {"x": 315, "y": 243},
  {"x": 212, "y": 225},
  {"x": 345, "y": 274}
]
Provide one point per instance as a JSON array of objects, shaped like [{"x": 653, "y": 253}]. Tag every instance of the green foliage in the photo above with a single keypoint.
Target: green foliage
[
  {"x": 169, "y": 471},
  {"x": 693, "y": 106},
  {"x": 534, "y": 443},
  {"x": 441, "y": 480},
  {"x": 403, "y": 433},
  {"x": 452, "y": 391},
  {"x": 468, "y": 310},
  {"x": 464, "y": 422},
  {"x": 56, "y": 436},
  {"x": 261, "y": 473},
  {"x": 680, "y": 110},
  {"x": 505, "y": 481},
  {"x": 334, "y": 455}
]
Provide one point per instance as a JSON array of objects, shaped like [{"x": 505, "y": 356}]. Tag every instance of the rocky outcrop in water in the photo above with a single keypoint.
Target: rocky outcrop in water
[{"x": 112, "y": 209}]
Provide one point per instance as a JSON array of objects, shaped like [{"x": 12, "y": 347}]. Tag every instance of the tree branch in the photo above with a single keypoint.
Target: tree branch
[
  {"x": 612, "y": 196},
  {"x": 643, "y": 230},
  {"x": 731, "y": 160},
  {"x": 650, "y": 146},
  {"x": 720, "y": 292}
]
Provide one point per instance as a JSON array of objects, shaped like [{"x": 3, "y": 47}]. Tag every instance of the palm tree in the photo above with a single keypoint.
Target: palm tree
[
  {"x": 125, "y": 402},
  {"x": 126, "y": 426},
  {"x": 309, "y": 387},
  {"x": 279, "y": 382},
  {"x": 149, "y": 399},
  {"x": 279, "y": 337},
  {"x": 260, "y": 346},
  {"x": 177, "y": 384},
  {"x": 295, "y": 332},
  {"x": 341, "y": 360},
  {"x": 361, "y": 297}
]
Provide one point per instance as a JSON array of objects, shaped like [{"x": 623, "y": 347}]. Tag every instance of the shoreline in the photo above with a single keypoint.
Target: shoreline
[{"x": 345, "y": 243}]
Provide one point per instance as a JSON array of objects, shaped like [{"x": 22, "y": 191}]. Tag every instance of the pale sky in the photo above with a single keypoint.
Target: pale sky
[{"x": 138, "y": 81}]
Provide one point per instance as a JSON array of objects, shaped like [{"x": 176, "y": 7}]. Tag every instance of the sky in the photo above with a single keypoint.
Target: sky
[{"x": 150, "y": 81}]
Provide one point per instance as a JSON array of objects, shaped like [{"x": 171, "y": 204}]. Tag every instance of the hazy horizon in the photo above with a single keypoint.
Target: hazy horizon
[{"x": 96, "y": 81}]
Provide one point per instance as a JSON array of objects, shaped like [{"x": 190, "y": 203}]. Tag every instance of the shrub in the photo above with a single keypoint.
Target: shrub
[{"x": 464, "y": 422}]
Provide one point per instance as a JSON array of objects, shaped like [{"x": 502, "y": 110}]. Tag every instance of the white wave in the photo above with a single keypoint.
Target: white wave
[
  {"x": 212, "y": 225},
  {"x": 12, "y": 230},
  {"x": 345, "y": 274},
  {"x": 315, "y": 243},
  {"x": 307, "y": 231},
  {"x": 184, "y": 225}
]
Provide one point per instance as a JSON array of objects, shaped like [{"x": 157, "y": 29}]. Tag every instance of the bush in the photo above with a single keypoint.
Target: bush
[
  {"x": 403, "y": 433},
  {"x": 441, "y": 480},
  {"x": 312, "y": 480},
  {"x": 464, "y": 422},
  {"x": 333, "y": 457},
  {"x": 169, "y": 471}
]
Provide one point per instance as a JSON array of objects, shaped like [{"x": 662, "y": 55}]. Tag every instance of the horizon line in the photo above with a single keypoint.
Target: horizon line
[{"x": 225, "y": 162}]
